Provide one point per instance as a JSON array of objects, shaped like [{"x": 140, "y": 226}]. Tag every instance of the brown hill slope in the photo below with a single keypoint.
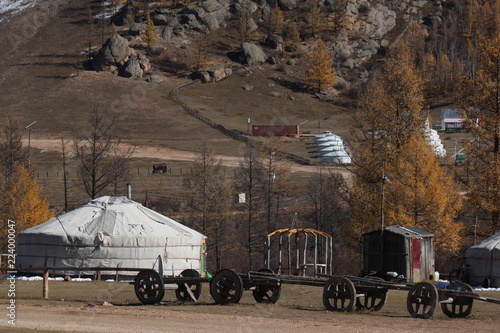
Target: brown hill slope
[{"x": 39, "y": 82}]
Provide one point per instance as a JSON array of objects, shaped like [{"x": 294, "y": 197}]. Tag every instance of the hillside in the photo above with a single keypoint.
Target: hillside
[{"x": 43, "y": 80}]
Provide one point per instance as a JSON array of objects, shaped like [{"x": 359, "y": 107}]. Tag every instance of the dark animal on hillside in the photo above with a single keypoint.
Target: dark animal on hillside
[{"x": 160, "y": 168}]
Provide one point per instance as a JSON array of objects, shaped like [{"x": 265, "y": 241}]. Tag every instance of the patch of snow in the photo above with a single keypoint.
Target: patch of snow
[
  {"x": 12, "y": 7},
  {"x": 39, "y": 278},
  {"x": 485, "y": 289}
]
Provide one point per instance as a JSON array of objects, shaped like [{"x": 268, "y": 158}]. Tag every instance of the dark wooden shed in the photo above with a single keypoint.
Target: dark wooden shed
[{"x": 408, "y": 251}]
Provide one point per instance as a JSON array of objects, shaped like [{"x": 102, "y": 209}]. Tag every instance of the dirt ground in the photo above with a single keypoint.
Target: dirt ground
[
  {"x": 100, "y": 306},
  {"x": 62, "y": 318}
]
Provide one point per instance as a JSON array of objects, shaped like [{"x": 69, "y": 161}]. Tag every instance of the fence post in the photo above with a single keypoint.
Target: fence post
[{"x": 45, "y": 284}]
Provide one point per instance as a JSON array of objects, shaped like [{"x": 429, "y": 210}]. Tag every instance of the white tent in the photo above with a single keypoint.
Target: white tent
[
  {"x": 111, "y": 232},
  {"x": 484, "y": 261}
]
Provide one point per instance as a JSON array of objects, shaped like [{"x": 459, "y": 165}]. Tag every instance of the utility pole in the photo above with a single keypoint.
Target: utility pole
[{"x": 29, "y": 143}]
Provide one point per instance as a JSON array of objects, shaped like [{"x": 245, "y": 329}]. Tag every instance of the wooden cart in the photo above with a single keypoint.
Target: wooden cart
[{"x": 340, "y": 293}]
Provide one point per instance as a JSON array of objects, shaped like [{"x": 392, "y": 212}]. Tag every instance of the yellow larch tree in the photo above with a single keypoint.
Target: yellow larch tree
[
  {"x": 149, "y": 35},
  {"x": 396, "y": 178},
  {"x": 444, "y": 71},
  {"x": 320, "y": 70},
  {"x": 479, "y": 97},
  {"x": 420, "y": 193},
  {"x": 27, "y": 205}
]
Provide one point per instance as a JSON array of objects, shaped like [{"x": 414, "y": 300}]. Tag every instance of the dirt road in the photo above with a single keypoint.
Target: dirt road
[
  {"x": 158, "y": 153},
  {"x": 89, "y": 318}
]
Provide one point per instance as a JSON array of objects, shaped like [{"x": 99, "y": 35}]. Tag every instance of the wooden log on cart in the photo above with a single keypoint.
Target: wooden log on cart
[{"x": 189, "y": 290}]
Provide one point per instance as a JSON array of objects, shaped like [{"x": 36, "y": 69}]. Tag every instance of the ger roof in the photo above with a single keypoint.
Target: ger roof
[{"x": 490, "y": 243}]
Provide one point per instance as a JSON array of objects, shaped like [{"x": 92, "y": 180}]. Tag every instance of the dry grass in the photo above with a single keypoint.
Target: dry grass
[{"x": 296, "y": 302}]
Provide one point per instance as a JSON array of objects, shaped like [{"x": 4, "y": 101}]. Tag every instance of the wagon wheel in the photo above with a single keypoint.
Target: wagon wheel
[
  {"x": 462, "y": 305},
  {"x": 182, "y": 292},
  {"x": 149, "y": 287},
  {"x": 372, "y": 300},
  {"x": 339, "y": 294},
  {"x": 422, "y": 299},
  {"x": 267, "y": 294},
  {"x": 226, "y": 287}
]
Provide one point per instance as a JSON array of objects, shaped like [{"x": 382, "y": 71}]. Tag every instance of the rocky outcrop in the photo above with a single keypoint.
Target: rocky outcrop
[
  {"x": 253, "y": 55},
  {"x": 136, "y": 66},
  {"x": 216, "y": 73},
  {"x": 114, "y": 54},
  {"x": 287, "y": 4}
]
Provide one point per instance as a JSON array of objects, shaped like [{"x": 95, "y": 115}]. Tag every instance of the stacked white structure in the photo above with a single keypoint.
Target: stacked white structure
[
  {"x": 432, "y": 138},
  {"x": 331, "y": 149}
]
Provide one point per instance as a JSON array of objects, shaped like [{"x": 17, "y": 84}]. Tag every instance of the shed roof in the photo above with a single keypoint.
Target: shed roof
[{"x": 410, "y": 232}]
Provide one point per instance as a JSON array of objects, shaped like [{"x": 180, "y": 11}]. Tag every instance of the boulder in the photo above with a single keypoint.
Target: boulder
[
  {"x": 211, "y": 6},
  {"x": 191, "y": 21},
  {"x": 245, "y": 8},
  {"x": 136, "y": 66},
  {"x": 114, "y": 53},
  {"x": 165, "y": 33},
  {"x": 275, "y": 42},
  {"x": 160, "y": 19},
  {"x": 154, "y": 78},
  {"x": 287, "y": 4},
  {"x": 218, "y": 73},
  {"x": 253, "y": 54},
  {"x": 124, "y": 17},
  {"x": 136, "y": 28},
  {"x": 211, "y": 22}
]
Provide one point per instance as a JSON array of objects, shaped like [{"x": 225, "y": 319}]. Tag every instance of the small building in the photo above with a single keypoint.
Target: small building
[
  {"x": 276, "y": 130},
  {"x": 451, "y": 119},
  {"x": 408, "y": 251},
  {"x": 484, "y": 262}
]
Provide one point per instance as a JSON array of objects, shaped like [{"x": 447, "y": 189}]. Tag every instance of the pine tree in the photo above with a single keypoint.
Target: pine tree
[
  {"x": 479, "y": 98},
  {"x": 21, "y": 201},
  {"x": 339, "y": 19},
  {"x": 444, "y": 70},
  {"x": 388, "y": 145},
  {"x": 420, "y": 193},
  {"x": 320, "y": 71},
  {"x": 274, "y": 20},
  {"x": 28, "y": 208},
  {"x": 316, "y": 19},
  {"x": 429, "y": 72},
  {"x": 149, "y": 35},
  {"x": 292, "y": 36}
]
